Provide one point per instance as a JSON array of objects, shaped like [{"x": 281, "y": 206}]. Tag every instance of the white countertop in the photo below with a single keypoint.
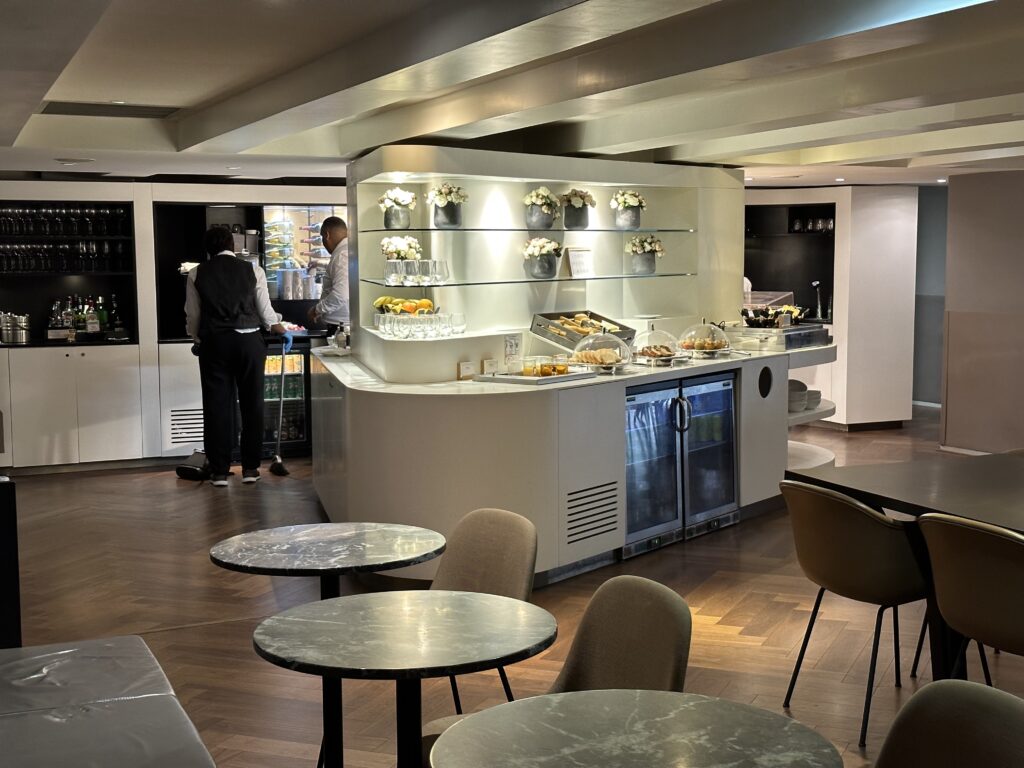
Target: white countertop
[{"x": 354, "y": 375}]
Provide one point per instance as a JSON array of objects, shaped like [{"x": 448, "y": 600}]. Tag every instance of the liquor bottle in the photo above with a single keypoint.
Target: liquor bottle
[
  {"x": 67, "y": 316},
  {"x": 118, "y": 331},
  {"x": 80, "y": 318},
  {"x": 101, "y": 313},
  {"x": 92, "y": 319}
]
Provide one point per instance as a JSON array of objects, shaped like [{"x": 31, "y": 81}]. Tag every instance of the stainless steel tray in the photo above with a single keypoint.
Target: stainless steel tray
[
  {"x": 543, "y": 323},
  {"x": 513, "y": 378}
]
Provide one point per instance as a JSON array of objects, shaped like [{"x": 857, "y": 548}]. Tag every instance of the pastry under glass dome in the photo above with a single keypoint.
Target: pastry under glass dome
[
  {"x": 655, "y": 347},
  {"x": 704, "y": 340},
  {"x": 602, "y": 352}
]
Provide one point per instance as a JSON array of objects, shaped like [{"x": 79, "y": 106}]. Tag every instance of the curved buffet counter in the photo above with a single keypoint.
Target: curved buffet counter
[{"x": 425, "y": 454}]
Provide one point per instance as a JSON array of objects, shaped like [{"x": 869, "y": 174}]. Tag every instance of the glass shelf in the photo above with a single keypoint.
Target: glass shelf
[
  {"x": 526, "y": 280},
  {"x": 53, "y": 273},
  {"x": 39, "y": 238},
  {"x": 642, "y": 230}
]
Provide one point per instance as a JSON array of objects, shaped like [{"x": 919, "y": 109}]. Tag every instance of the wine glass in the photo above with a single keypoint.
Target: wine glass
[
  {"x": 410, "y": 272},
  {"x": 444, "y": 324},
  {"x": 439, "y": 274},
  {"x": 393, "y": 272},
  {"x": 458, "y": 322}
]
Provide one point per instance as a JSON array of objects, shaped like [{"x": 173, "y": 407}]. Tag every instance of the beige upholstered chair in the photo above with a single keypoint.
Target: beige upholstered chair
[
  {"x": 978, "y": 571},
  {"x": 848, "y": 548},
  {"x": 634, "y": 634},
  {"x": 492, "y": 551},
  {"x": 956, "y": 723}
]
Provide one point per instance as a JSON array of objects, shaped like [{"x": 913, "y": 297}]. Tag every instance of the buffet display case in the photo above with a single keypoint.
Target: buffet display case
[{"x": 778, "y": 339}]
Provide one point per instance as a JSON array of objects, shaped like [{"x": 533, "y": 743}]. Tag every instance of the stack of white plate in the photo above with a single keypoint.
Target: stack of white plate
[
  {"x": 813, "y": 399},
  {"x": 797, "y": 396}
]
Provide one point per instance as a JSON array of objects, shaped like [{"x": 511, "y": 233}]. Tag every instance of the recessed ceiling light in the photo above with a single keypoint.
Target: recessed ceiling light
[
  {"x": 748, "y": 178},
  {"x": 840, "y": 179},
  {"x": 118, "y": 101},
  {"x": 941, "y": 181},
  {"x": 234, "y": 167},
  {"x": 73, "y": 160}
]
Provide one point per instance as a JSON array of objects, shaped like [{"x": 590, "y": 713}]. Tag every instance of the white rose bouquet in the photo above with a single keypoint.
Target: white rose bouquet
[
  {"x": 446, "y": 193},
  {"x": 627, "y": 198},
  {"x": 542, "y": 196},
  {"x": 645, "y": 244},
  {"x": 397, "y": 197},
  {"x": 402, "y": 248},
  {"x": 540, "y": 246},
  {"x": 577, "y": 198}
]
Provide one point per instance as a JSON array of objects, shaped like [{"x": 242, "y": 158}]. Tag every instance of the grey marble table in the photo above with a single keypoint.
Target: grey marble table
[
  {"x": 405, "y": 636},
  {"x": 328, "y": 550},
  {"x": 630, "y": 729}
]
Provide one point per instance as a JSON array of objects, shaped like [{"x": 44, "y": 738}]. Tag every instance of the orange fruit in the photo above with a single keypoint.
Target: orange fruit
[
  {"x": 409, "y": 306},
  {"x": 424, "y": 304}
]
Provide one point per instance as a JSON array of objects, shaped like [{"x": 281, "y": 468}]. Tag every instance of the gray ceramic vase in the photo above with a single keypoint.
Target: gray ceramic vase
[
  {"x": 397, "y": 217},
  {"x": 644, "y": 263},
  {"x": 543, "y": 267},
  {"x": 448, "y": 216},
  {"x": 627, "y": 218},
  {"x": 537, "y": 219},
  {"x": 576, "y": 218}
]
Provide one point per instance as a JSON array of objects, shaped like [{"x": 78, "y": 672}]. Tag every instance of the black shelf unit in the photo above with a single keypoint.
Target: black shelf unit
[
  {"x": 777, "y": 258},
  {"x": 32, "y": 290}
]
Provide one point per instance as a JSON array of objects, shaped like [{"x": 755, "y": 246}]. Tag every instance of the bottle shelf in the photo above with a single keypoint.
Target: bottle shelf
[
  {"x": 527, "y": 280},
  {"x": 32, "y": 239},
  {"x": 641, "y": 231},
  {"x": 39, "y": 273}
]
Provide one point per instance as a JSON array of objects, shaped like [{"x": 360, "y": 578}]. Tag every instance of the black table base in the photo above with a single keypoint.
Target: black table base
[
  {"x": 409, "y": 710},
  {"x": 332, "y": 747}
]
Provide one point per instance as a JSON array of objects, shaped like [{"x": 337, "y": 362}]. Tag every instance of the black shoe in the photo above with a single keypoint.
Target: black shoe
[
  {"x": 250, "y": 475},
  {"x": 219, "y": 481}
]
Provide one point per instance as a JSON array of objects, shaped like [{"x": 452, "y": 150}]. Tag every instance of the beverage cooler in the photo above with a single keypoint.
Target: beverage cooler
[
  {"x": 680, "y": 460},
  {"x": 295, "y": 431}
]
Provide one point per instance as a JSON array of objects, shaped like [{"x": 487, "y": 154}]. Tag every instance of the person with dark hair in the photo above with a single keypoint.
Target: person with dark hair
[
  {"x": 226, "y": 305},
  {"x": 332, "y": 308}
]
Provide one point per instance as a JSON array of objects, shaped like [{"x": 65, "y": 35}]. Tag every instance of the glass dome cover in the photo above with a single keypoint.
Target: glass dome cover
[
  {"x": 655, "y": 344},
  {"x": 602, "y": 349},
  {"x": 704, "y": 340}
]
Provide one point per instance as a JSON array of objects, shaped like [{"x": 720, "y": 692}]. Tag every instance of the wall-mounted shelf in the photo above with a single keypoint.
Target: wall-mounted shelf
[
  {"x": 825, "y": 409},
  {"x": 48, "y": 273},
  {"x": 554, "y": 230},
  {"x": 459, "y": 284}
]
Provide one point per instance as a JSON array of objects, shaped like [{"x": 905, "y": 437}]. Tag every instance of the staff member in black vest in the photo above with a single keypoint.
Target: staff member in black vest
[{"x": 226, "y": 305}]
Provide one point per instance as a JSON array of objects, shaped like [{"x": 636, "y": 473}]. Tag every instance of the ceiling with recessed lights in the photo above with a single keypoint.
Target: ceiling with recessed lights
[{"x": 796, "y": 93}]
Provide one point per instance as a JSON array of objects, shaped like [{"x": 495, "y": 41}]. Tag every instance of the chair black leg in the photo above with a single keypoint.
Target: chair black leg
[
  {"x": 996, "y": 651},
  {"x": 871, "y": 677},
  {"x": 455, "y": 695},
  {"x": 505, "y": 685},
  {"x": 803, "y": 647},
  {"x": 920, "y": 645},
  {"x": 960, "y": 657},
  {"x": 896, "y": 642},
  {"x": 984, "y": 664}
]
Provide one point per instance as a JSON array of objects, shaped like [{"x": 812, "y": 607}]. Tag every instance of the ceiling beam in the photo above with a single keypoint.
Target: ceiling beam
[
  {"x": 433, "y": 50},
  {"x": 37, "y": 40}
]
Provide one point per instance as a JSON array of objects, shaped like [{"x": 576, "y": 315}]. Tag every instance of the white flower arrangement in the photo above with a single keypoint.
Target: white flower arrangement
[
  {"x": 645, "y": 244},
  {"x": 397, "y": 197},
  {"x": 402, "y": 248},
  {"x": 577, "y": 198},
  {"x": 446, "y": 193},
  {"x": 627, "y": 198},
  {"x": 540, "y": 246},
  {"x": 542, "y": 196}
]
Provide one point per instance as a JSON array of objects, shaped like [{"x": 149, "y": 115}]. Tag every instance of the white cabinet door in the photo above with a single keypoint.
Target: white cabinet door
[
  {"x": 109, "y": 403},
  {"x": 6, "y": 449},
  {"x": 44, "y": 409}
]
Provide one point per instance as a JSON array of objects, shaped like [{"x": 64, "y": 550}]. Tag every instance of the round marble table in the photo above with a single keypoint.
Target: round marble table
[
  {"x": 630, "y": 729},
  {"x": 328, "y": 550},
  {"x": 405, "y": 636}
]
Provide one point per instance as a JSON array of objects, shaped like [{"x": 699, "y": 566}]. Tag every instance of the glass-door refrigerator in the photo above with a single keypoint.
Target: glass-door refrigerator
[{"x": 680, "y": 460}]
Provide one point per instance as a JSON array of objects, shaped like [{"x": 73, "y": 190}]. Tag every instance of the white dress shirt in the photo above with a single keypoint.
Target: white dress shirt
[
  {"x": 193, "y": 304},
  {"x": 333, "y": 306}
]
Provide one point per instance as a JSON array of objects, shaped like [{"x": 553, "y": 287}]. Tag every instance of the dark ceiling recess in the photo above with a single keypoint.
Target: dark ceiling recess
[{"x": 85, "y": 109}]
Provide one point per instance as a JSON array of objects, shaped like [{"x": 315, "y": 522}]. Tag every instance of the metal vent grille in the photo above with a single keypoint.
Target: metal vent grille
[
  {"x": 186, "y": 426},
  {"x": 592, "y": 512},
  {"x": 90, "y": 109}
]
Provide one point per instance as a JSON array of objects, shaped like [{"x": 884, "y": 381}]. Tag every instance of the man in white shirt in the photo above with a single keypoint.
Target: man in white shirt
[
  {"x": 226, "y": 304},
  {"x": 332, "y": 308}
]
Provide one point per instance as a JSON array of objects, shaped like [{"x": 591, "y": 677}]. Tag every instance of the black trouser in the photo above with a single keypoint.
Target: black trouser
[{"x": 230, "y": 363}]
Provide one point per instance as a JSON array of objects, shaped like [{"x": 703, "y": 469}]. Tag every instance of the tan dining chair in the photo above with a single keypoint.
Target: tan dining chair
[
  {"x": 978, "y": 571},
  {"x": 493, "y": 551},
  {"x": 851, "y": 550},
  {"x": 956, "y": 723},
  {"x": 634, "y": 634}
]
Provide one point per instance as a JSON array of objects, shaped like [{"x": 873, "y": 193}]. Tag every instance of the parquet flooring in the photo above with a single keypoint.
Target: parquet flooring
[{"x": 127, "y": 552}]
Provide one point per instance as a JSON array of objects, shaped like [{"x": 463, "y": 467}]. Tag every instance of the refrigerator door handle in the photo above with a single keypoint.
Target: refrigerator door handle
[
  {"x": 687, "y": 412},
  {"x": 676, "y": 415}
]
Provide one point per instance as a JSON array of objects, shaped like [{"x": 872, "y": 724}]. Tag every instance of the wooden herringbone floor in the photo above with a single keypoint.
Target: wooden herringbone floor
[{"x": 126, "y": 552}]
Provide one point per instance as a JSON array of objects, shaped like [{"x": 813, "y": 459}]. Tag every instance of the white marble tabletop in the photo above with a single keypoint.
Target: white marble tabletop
[
  {"x": 405, "y": 635},
  {"x": 328, "y": 548},
  {"x": 630, "y": 729}
]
